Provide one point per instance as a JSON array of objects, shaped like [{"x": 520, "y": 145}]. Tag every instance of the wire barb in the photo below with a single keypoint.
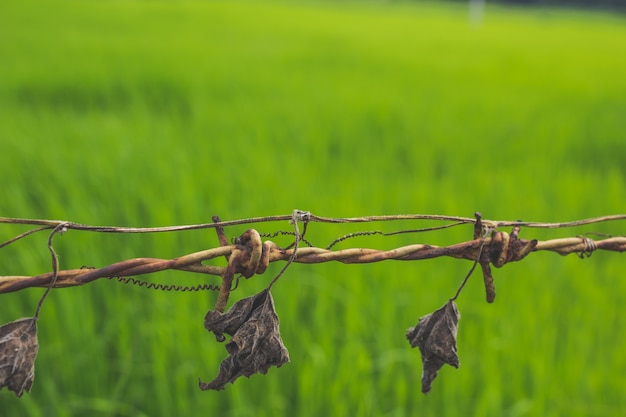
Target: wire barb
[{"x": 590, "y": 247}]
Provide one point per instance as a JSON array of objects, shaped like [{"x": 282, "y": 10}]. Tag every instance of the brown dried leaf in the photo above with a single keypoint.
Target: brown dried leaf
[
  {"x": 18, "y": 351},
  {"x": 435, "y": 335},
  {"x": 256, "y": 344}
]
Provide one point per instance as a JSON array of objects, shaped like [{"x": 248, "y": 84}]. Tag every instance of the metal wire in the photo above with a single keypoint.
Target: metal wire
[
  {"x": 494, "y": 224},
  {"x": 166, "y": 287},
  {"x": 251, "y": 256}
]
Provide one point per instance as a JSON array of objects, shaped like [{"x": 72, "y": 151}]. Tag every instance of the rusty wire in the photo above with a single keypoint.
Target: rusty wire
[
  {"x": 248, "y": 255},
  {"x": 493, "y": 224}
]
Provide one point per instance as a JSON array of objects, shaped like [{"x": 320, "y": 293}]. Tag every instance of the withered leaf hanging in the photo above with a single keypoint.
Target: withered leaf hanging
[
  {"x": 18, "y": 351},
  {"x": 255, "y": 345},
  {"x": 435, "y": 335}
]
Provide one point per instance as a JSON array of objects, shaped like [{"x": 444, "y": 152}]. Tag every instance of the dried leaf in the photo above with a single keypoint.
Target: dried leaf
[
  {"x": 18, "y": 351},
  {"x": 435, "y": 335},
  {"x": 255, "y": 345}
]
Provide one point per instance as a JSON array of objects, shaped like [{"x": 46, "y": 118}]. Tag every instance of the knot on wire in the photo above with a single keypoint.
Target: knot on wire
[
  {"x": 589, "y": 247},
  {"x": 250, "y": 256},
  {"x": 504, "y": 248},
  {"x": 302, "y": 216},
  {"x": 498, "y": 250}
]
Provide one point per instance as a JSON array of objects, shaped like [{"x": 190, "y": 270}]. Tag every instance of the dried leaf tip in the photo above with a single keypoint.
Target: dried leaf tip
[
  {"x": 435, "y": 336},
  {"x": 18, "y": 351}
]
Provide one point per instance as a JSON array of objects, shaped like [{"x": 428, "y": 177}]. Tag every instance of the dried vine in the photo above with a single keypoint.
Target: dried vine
[{"x": 252, "y": 322}]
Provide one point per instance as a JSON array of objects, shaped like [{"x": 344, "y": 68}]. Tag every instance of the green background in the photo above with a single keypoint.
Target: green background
[{"x": 154, "y": 113}]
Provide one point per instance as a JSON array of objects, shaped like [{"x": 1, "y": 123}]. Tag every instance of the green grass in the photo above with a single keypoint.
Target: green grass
[{"x": 160, "y": 113}]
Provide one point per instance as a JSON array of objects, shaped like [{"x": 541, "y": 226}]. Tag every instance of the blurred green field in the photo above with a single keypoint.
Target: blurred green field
[{"x": 136, "y": 113}]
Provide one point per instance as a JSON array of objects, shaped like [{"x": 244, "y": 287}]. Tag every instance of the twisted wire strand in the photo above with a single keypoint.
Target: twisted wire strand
[
  {"x": 381, "y": 233},
  {"x": 286, "y": 233},
  {"x": 271, "y": 253}
]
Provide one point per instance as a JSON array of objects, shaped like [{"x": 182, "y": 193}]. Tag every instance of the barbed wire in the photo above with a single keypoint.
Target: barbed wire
[
  {"x": 248, "y": 255},
  {"x": 253, "y": 321}
]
